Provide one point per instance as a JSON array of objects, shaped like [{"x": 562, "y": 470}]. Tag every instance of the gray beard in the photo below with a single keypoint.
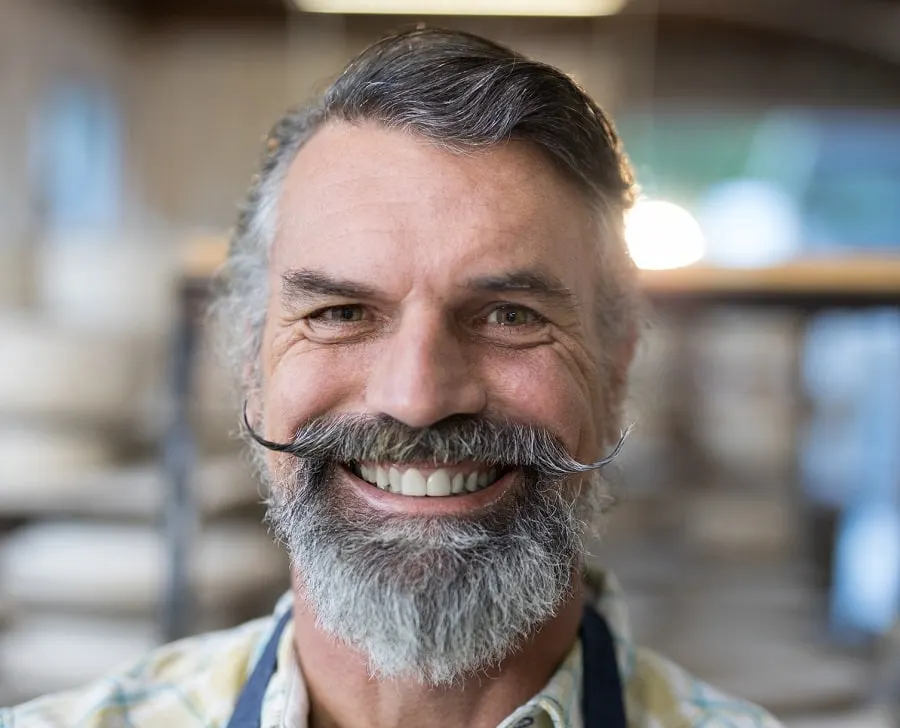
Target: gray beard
[{"x": 434, "y": 599}]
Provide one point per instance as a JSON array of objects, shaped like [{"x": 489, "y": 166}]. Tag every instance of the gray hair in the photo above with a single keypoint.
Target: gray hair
[{"x": 460, "y": 92}]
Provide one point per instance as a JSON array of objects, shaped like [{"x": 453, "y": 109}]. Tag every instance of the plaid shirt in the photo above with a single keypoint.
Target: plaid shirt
[{"x": 195, "y": 683}]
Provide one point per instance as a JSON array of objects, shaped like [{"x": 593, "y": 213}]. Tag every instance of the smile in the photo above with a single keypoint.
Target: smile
[{"x": 435, "y": 482}]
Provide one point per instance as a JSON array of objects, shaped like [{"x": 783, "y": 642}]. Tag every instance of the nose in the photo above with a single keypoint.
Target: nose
[{"x": 422, "y": 374}]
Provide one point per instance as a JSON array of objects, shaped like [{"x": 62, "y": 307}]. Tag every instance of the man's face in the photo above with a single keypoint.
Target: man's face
[
  {"x": 473, "y": 277},
  {"x": 422, "y": 289}
]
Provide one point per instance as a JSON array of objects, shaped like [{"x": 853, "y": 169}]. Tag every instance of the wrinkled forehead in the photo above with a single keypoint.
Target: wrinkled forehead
[{"x": 358, "y": 193}]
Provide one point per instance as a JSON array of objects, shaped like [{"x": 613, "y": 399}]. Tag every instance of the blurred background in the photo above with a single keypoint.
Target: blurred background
[{"x": 759, "y": 533}]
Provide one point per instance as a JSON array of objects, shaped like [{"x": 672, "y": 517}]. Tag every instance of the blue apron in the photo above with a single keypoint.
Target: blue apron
[{"x": 602, "y": 700}]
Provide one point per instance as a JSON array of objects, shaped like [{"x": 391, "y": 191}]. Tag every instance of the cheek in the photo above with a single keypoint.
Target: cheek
[
  {"x": 537, "y": 385},
  {"x": 309, "y": 383}
]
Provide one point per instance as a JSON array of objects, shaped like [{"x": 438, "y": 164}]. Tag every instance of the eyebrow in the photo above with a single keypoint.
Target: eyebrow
[
  {"x": 304, "y": 285},
  {"x": 536, "y": 282}
]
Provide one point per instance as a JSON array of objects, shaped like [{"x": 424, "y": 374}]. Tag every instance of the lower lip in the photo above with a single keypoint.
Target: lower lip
[{"x": 429, "y": 505}]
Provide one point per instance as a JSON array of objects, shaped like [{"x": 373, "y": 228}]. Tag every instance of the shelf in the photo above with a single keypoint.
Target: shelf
[
  {"x": 817, "y": 283},
  {"x": 860, "y": 280},
  {"x": 90, "y": 567},
  {"x": 219, "y": 485}
]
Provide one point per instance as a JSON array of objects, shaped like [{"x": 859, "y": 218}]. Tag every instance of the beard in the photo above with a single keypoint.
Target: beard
[{"x": 433, "y": 598}]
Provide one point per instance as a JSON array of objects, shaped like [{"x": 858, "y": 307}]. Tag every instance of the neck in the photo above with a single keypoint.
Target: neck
[{"x": 342, "y": 695}]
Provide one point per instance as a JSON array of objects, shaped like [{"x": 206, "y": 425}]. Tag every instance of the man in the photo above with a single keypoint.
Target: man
[{"x": 433, "y": 312}]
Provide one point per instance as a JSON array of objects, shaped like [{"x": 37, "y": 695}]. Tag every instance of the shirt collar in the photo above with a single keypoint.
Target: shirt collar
[{"x": 558, "y": 704}]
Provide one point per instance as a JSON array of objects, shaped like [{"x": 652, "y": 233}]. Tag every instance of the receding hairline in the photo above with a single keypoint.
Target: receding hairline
[{"x": 451, "y": 146}]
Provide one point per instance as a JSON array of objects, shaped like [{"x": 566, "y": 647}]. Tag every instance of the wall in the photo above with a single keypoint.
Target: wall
[
  {"x": 204, "y": 98},
  {"x": 42, "y": 42}
]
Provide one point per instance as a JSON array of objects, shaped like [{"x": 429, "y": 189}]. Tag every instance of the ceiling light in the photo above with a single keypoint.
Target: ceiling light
[{"x": 552, "y": 8}]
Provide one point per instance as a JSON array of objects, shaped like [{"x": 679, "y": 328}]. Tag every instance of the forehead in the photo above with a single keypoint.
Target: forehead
[{"x": 363, "y": 197}]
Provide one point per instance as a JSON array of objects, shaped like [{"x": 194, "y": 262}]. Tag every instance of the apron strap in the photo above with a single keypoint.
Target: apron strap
[
  {"x": 249, "y": 705},
  {"x": 603, "y": 703}
]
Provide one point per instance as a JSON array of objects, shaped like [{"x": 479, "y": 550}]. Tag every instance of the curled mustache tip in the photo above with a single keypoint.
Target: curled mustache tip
[
  {"x": 573, "y": 466},
  {"x": 615, "y": 451},
  {"x": 259, "y": 439}
]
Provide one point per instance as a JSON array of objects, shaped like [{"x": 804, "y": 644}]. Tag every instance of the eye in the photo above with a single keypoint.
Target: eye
[
  {"x": 339, "y": 314},
  {"x": 510, "y": 315}
]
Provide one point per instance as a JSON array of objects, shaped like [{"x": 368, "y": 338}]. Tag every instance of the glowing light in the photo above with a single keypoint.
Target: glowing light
[
  {"x": 663, "y": 235},
  {"x": 558, "y": 8}
]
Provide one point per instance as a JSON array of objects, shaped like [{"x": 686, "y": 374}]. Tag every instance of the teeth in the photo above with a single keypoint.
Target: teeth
[
  {"x": 382, "y": 479},
  {"x": 438, "y": 483},
  {"x": 413, "y": 483}
]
